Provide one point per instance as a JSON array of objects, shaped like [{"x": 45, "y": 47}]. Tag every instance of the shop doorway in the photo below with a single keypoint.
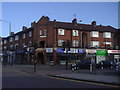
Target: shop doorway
[{"x": 40, "y": 58}]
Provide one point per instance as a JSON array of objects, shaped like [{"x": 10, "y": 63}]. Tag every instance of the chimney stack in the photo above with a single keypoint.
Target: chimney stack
[
  {"x": 33, "y": 24},
  {"x": 74, "y": 21},
  {"x": 24, "y": 28},
  {"x": 93, "y": 23},
  {"x": 11, "y": 33}
]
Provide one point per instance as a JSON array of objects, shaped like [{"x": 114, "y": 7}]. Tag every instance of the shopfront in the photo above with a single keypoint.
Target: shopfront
[
  {"x": 114, "y": 55},
  {"x": 90, "y": 53},
  {"x": 49, "y": 55},
  {"x": 101, "y": 55},
  {"x": 74, "y": 55}
]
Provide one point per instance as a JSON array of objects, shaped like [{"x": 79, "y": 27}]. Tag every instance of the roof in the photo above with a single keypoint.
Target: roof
[
  {"x": 85, "y": 27},
  {"x": 21, "y": 32}
]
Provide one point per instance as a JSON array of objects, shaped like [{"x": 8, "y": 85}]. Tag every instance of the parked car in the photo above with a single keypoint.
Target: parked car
[
  {"x": 85, "y": 64},
  {"x": 105, "y": 64},
  {"x": 117, "y": 67}
]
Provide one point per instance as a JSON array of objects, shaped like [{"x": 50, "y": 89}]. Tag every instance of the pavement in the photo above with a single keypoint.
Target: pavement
[{"x": 105, "y": 76}]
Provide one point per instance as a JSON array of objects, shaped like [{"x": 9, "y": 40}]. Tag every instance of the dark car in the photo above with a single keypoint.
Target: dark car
[
  {"x": 105, "y": 64},
  {"x": 85, "y": 64},
  {"x": 117, "y": 67}
]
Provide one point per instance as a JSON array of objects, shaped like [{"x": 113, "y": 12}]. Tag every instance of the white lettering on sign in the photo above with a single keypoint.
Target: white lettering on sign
[{"x": 113, "y": 51}]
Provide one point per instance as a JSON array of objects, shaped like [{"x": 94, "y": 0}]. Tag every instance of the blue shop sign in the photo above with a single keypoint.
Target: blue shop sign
[
  {"x": 20, "y": 51},
  {"x": 81, "y": 51},
  {"x": 59, "y": 50}
]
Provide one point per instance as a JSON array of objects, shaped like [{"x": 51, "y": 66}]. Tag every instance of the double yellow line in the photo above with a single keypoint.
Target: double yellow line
[{"x": 115, "y": 86}]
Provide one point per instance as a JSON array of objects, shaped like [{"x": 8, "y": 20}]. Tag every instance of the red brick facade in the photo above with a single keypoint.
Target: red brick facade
[{"x": 45, "y": 33}]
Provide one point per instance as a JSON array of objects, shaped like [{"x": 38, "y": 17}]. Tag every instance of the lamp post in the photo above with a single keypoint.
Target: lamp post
[
  {"x": 9, "y": 25},
  {"x": 9, "y": 31}
]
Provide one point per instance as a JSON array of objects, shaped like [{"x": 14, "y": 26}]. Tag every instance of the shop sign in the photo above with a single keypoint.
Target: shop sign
[
  {"x": 101, "y": 52},
  {"x": 117, "y": 56},
  {"x": 81, "y": 51},
  {"x": 73, "y": 50},
  {"x": 90, "y": 51},
  {"x": 59, "y": 50},
  {"x": 49, "y": 50},
  {"x": 113, "y": 51}
]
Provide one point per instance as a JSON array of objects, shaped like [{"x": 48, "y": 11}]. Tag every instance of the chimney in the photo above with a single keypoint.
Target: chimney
[
  {"x": 11, "y": 33},
  {"x": 93, "y": 23},
  {"x": 47, "y": 18},
  {"x": 74, "y": 21},
  {"x": 24, "y": 28},
  {"x": 33, "y": 24}
]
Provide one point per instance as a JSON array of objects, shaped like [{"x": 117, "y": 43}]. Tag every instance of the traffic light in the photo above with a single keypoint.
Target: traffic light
[
  {"x": 35, "y": 45},
  {"x": 68, "y": 44},
  {"x": 64, "y": 46}
]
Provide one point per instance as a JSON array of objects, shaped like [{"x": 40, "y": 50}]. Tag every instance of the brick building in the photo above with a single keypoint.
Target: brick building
[{"x": 49, "y": 36}]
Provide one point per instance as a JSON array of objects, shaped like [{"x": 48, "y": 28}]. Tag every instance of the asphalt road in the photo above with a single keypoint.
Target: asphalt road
[{"x": 12, "y": 78}]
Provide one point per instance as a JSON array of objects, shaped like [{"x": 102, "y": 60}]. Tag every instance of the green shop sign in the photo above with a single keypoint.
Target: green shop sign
[{"x": 101, "y": 52}]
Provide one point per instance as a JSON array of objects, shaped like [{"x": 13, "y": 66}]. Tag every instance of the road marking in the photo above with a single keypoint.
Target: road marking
[
  {"x": 84, "y": 81},
  {"x": 71, "y": 79},
  {"x": 21, "y": 71}
]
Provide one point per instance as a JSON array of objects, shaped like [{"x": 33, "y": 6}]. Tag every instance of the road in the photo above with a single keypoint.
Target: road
[{"x": 13, "y": 78}]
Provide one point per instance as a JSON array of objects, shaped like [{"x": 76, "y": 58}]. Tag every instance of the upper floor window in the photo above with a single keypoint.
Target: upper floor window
[
  {"x": 30, "y": 33},
  {"x": 94, "y": 34},
  {"x": 30, "y": 43},
  {"x": 45, "y": 32},
  {"x": 11, "y": 46},
  {"x": 11, "y": 39},
  {"x": 24, "y": 35},
  {"x": 75, "y": 32},
  {"x": 75, "y": 43},
  {"x": 40, "y": 32},
  {"x": 61, "y": 32},
  {"x": 17, "y": 37},
  {"x": 5, "y": 41},
  {"x": 60, "y": 42},
  {"x": 94, "y": 43},
  {"x": 107, "y": 34},
  {"x": 5, "y": 47},
  {"x": 16, "y": 46}
]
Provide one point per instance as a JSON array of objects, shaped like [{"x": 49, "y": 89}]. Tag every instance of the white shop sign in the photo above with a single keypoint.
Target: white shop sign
[
  {"x": 90, "y": 51},
  {"x": 49, "y": 50},
  {"x": 113, "y": 51}
]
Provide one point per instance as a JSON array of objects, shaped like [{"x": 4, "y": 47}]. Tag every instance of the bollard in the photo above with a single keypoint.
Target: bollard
[{"x": 91, "y": 67}]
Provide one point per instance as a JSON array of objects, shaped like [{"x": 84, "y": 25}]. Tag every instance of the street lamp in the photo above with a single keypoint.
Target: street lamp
[{"x": 9, "y": 25}]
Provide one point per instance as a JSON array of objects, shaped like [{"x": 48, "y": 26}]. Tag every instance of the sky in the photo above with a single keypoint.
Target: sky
[{"x": 24, "y": 13}]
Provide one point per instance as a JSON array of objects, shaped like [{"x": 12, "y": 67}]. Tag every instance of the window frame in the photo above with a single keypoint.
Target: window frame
[
  {"x": 60, "y": 42},
  {"x": 92, "y": 43},
  {"x": 30, "y": 34},
  {"x": 75, "y": 43},
  {"x": 104, "y": 34},
  {"x": 61, "y": 30},
  {"x": 75, "y": 33},
  {"x": 93, "y": 34}
]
